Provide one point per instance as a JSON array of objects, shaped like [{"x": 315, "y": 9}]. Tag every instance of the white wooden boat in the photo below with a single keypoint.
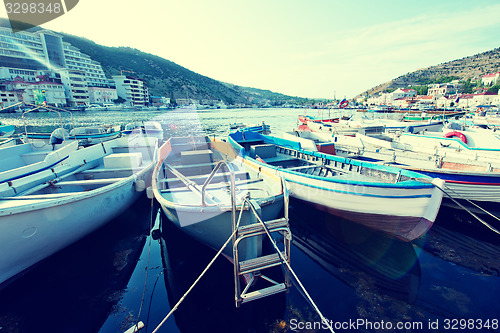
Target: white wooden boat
[
  {"x": 148, "y": 128},
  {"x": 26, "y": 165},
  {"x": 470, "y": 179},
  {"x": 8, "y": 142},
  {"x": 42, "y": 220},
  {"x": 85, "y": 135},
  {"x": 259, "y": 128},
  {"x": 343, "y": 128},
  {"x": 398, "y": 202},
  {"x": 471, "y": 142},
  {"x": 197, "y": 198}
]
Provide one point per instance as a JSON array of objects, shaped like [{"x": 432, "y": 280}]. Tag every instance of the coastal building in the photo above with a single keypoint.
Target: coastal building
[
  {"x": 28, "y": 55},
  {"x": 75, "y": 87},
  {"x": 8, "y": 98},
  {"x": 133, "y": 90},
  {"x": 402, "y": 93},
  {"x": 490, "y": 79},
  {"x": 102, "y": 95},
  {"x": 442, "y": 89}
]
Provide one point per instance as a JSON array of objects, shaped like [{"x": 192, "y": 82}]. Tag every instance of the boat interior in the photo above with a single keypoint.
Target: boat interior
[
  {"x": 192, "y": 167},
  {"x": 298, "y": 160},
  {"x": 75, "y": 178}
]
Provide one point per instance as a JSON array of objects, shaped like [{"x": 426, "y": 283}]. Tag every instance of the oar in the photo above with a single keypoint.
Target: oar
[{"x": 84, "y": 167}]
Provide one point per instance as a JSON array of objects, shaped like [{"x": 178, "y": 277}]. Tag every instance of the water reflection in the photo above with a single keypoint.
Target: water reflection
[
  {"x": 347, "y": 250},
  {"x": 210, "y": 306}
]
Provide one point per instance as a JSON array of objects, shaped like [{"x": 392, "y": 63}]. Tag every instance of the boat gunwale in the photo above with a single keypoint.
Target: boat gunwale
[{"x": 413, "y": 184}]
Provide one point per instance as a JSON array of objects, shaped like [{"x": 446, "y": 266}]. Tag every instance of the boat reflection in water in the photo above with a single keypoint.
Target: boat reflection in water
[
  {"x": 78, "y": 288},
  {"x": 348, "y": 251},
  {"x": 460, "y": 239},
  {"x": 210, "y": 306}
]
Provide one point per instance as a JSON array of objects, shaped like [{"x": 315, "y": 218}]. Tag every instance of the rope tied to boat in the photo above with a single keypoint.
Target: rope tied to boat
[
  {"x": 289, "y": 267},
  {"x": 424, "y": 180},
  {"x": 174, "y": 308}
]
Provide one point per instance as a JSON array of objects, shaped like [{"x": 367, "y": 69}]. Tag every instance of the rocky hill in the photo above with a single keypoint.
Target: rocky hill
[{"x": 472, "y": 67}]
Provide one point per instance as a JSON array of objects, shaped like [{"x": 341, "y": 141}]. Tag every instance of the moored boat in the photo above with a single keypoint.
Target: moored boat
[
  {"x": 220, "y": 199},
  {"x": 27, "y": 165},
  {"x": 465, "y": 178},
  {"x": 198, "y": 200},
  {"x": 396, "y": 201},
  {"x": 45, "y": 218},
  {"x": 148, "y": 128},
  {"x": 85, "y": 135}
]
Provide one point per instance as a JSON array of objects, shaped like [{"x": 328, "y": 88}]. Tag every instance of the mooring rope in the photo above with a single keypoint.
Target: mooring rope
[
  {"x": 147, "y": 265},
  {"x": 174, "y": 308},
  {"x": 462, "y": 206},
  {"x": 283, "y": 260}
]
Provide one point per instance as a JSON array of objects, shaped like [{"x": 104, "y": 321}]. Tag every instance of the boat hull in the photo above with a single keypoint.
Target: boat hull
[
  {"x": 38, "y": 230},
  {"x": 213, "y": 226},
  {"x": 406, "y": 214}
]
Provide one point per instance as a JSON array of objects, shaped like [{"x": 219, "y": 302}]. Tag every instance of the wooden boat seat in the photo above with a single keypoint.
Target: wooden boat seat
[
  {"x": 89, "y": 182},
  {"x": 200, "y": 179},
  {"x": 190, "y": 157},
  {"x": 102, "y": 170},
  {"x": 218, "y": 185}
]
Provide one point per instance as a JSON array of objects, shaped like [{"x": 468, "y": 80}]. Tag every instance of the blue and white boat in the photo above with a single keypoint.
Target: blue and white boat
[
  {"x": 399, "y": 202},
  {"x": 85, "y": 135},
  {"x": 465, "y": 178},
  {"x": 95, "y": 184},
  {"x": 6, "y": 131}
]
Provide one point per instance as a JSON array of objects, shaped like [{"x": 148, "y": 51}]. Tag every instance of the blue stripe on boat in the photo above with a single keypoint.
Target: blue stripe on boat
[
  {"x": 364, "y": 194},
  {"x": 34, "y": 171}
]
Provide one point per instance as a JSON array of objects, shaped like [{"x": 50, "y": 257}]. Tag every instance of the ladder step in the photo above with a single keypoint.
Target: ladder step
[
  {"x": 277, "y": 288},
  {"x": 252, "y": 265},
  {"x": 257, "y": 227}
]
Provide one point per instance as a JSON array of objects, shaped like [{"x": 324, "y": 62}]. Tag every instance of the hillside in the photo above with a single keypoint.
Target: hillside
[
  {"x": 472, "y": 67},
  {"x": 166, "y": 78}
]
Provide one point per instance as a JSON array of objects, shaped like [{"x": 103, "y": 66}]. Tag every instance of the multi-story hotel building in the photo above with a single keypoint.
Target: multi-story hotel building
[
  {"x": 27, "y": 55},
  {"x": 133, "y": 90}
]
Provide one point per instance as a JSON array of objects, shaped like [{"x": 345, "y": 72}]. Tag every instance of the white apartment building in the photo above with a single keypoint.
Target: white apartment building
[
  {"x": 442, "y": 89},
  {"x": 79, "y": 61},
  {"x": 133, "y": 90},
  {"x": 490, "y": 79},
  {"x": 102, "y": 95},
  {"x": 30, "y": 54},
  {"x": 403, "y": 93},
  {"x": 75, "y": 86},
  {"x": 8, "y": 98}
]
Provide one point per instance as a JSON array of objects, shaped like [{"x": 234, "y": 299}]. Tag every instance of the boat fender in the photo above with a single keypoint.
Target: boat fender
[
  {"x": 149, "y": 193},
  {"x": 140, "y": 185},
  {"x": 457, "y": 134}
]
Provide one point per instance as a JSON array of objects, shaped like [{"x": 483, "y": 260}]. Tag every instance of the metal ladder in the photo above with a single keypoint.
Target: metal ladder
[{"x": 254, "y": 266}]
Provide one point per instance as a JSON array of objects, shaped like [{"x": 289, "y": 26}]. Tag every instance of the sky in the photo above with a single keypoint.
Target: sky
[{"x": 307, "y": 48}]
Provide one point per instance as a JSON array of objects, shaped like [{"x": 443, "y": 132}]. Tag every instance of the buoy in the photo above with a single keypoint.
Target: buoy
[{"x": 457, "y": 134}]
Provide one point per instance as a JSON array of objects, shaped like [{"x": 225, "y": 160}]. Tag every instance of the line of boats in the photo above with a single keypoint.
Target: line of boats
[{"x": 219, "y": 189}]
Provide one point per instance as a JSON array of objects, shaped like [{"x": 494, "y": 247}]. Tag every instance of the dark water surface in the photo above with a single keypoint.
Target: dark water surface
[{"x": 445, "y": 281}]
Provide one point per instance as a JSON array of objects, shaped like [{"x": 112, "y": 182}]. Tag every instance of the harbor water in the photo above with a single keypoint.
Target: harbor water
[{"x": 361, "y": 280}]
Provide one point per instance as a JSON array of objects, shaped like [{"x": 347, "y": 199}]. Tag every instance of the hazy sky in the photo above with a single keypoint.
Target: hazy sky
[{"x": 308, "y": 48}]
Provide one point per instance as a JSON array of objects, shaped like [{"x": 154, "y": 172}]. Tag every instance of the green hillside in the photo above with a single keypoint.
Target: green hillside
[{"x": 166, "y": 78}]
